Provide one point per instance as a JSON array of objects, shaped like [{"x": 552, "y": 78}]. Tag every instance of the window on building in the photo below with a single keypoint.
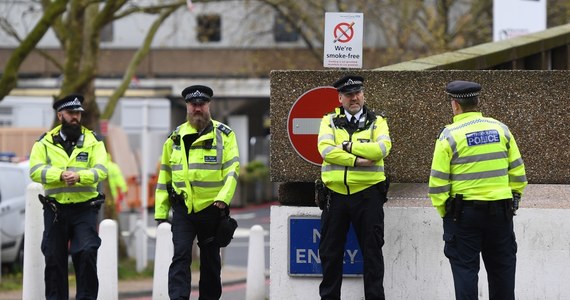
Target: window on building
[
  {"x": 6, "y": 116},
  {"x": 107, "y": 33},
  {"x": 209, "y": 28},
  {"x": 283, "y": 31}
]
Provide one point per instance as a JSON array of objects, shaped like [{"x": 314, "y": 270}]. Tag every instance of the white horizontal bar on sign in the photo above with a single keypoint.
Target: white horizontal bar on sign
[{"x": 306, "y": 125}]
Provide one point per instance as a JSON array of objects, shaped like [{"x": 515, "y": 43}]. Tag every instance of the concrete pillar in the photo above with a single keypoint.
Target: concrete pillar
[
  {"x": 255, "y": 284},
  {"x": 162, "y": 258},
  {"x": 33, "y": 285},
  {"x": 107, "y": 260}
]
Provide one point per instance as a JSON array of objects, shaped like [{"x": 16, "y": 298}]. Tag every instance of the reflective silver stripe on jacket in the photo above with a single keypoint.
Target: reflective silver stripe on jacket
[
  {"x": 327, "y": 151},
  {"x": 179, "y": 184},
  {"x": 326, "y": 137},
  {"x": 479, "y": 175},
  {"x": 517, "y": 178},
  {"x": 327, "y": 168},
  {"x": 439, "y": 174},
  {"x": 176, "y": 167},
  {"x": 206, "y": 166},
  {"x": 43, "y": 175},
  {"x": 479, "y": 157},
  {"x": 210, "y": 184},
  {"x": 161, "y": 186},
  {"x": 440, "y": 189},
  {"x": 516, "y": 163},
  {"x": 381, "y": 144},
  {"x": 71, "y": 189}
]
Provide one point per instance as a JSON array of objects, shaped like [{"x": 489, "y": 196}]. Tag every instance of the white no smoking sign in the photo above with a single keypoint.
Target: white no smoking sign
[{"x": 343, "y": 40}]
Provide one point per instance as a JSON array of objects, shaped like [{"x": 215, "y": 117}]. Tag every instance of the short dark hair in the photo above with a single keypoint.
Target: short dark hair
[{"x": 468, "y": 103}]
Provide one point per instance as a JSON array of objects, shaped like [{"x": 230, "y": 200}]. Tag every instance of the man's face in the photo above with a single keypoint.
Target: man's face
[
  {"x": 70, "y": 123},
  {"x": 68, "y": 117},
  {"x": 352, "y": 102},
  {"x": 198, "y": 114}
]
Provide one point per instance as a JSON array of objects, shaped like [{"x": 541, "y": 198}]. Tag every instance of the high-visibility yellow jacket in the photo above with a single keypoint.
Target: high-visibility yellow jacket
[
  {"x": 371, "y": 141},
  {"x": 117, "y": 183},
  {"x": 48, "y": 160},
  {"x": 208, "y": 174},
  {"x": 477, "y": 157}
]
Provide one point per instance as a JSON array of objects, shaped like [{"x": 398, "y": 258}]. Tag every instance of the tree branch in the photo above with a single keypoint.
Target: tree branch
[
  {"x": 135, "y": 61},
  {"x": 10, "y": 74}
]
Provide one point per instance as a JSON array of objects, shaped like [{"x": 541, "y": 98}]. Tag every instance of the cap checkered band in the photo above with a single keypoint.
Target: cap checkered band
[
  {"x": 466, "y": 95},
  {"x": 197, "y": 94},
  {"x": 74, "y": 103},
  {"x": 352, "y": 82}
]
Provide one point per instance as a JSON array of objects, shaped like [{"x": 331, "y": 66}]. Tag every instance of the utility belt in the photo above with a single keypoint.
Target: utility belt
[
  {"x": 51, "y": 203},
  {"x": 323, "y": 194},
  {"x": 454, "y": 206}
]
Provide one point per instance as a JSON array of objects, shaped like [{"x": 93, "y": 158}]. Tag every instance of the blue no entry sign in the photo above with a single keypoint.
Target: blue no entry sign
[{"x": 304, "y": 259}]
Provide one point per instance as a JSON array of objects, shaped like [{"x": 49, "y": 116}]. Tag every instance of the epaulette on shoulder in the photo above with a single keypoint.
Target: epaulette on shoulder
[
  {"x": 175, "y": 137},
  {"x": 382, "y": 114},
  {"x": 440, "y": 132},
  {"x": 334, "y": 112},
  {"x": 223, "y": 128},
  {"x": 41, "y": 136},
  {"x": 97, "y": 136}
]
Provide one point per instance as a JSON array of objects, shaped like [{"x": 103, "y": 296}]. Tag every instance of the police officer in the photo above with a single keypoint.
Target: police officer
[
  {"x": 353, "y": 142},
  {"x": 200, "y": 167},
  {"x": 70, "y": 161},
  {"x": 117, "y": 184},
  {"x": 477, "y": 177}
]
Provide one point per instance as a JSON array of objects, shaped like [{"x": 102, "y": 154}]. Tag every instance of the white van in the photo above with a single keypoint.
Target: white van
[{"x": 14, "y": 179}]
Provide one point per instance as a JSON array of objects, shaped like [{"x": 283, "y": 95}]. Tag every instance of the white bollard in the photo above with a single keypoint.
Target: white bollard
[
  {"x": 255, "y": 282},
  {"x": 107, "y": 260},
  {"x": 139, "y": 241},
  {"x": 33, "y": 284},
  {"x": 131, "y": 239},
  {"x": 162, "y": 257}
]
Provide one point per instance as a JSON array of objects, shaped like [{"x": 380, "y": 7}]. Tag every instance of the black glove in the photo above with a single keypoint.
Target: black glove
[{"x": 516, "y": 200}]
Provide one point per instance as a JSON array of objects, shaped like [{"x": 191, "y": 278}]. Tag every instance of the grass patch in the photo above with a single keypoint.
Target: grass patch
[
  {"x": 127, "y": 270},
  {"x": 11, "y": 282}
]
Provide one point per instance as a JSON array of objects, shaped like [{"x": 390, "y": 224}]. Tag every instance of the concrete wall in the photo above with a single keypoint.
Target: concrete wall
[
  {"x": 534, "y": 104},
  {"x": 415, "y": 267}
]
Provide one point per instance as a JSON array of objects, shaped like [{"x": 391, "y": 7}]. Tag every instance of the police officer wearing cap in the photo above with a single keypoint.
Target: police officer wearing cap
[
  {"x": 70, "y": 161},
  {"x": 477, "y": 177},
  {"x": 197, "y": 179},
  {"x": 353, "y": 142}
]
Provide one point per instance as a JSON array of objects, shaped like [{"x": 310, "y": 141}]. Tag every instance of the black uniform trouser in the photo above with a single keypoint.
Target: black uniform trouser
[
  {"x": 365, "y": 211},
  {"x": 185, "y": 228},
  {"x": 76, "y": 228},
  {"x": 486, "y": 230}
]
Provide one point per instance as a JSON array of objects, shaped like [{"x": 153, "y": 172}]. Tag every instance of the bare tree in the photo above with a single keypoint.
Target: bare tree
[
  {"x": 401, "y": 29},
  {"x": 77, "y": 24}
]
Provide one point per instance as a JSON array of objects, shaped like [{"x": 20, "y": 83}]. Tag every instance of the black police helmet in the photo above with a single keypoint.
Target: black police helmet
[{"x": 226, "y": 230}]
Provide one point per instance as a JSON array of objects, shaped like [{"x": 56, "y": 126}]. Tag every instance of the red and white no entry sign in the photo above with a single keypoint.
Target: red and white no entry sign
[{"x": 305, "y": 118}]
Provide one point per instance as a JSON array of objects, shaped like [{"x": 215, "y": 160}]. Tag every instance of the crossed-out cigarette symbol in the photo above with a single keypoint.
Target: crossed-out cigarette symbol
[{"x": 344, "y": 32}]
